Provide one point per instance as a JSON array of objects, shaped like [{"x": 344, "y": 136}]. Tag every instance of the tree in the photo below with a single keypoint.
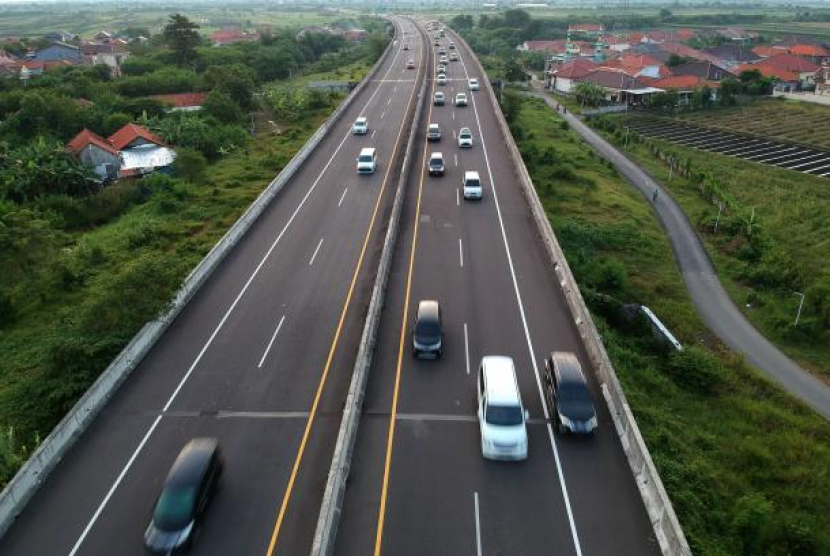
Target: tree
[
  {"x": 666, "y": 15},
  {"x": 190, "y": 165},
  {"x": 236, "y": 80},
  {"x": 676, "y": 60},
  {"x": 588, "y": 94},
  {"x": 665, "y": 100},
  {"x": 517, "y": 19},
  {"x": 41, "y": 168},
  {"x": 729, "y": 89},
  {"x": 180, "y": 35},
  {"x": 222, "y": 107},
  {"x": 462, "y": 22}
]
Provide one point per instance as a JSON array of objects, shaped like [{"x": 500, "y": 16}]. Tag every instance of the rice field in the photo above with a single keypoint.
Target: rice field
[{"x": 797, "y": 122}]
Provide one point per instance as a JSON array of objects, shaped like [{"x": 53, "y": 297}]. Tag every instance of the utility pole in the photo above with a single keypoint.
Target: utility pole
[{"x": 800, "y": 305}]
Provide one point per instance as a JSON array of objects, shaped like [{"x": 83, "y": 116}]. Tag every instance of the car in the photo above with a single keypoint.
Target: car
[
  {"x": 452, "y": 46},
  {"x": 438, "y": 99},
  {"x": 185, "y": 495},
  {"x": 441, "y": 68},
  {"x": 437, "y": 42},
  {"x": 471, "y": 185},
  {"x": 461, "y": 99},
  {"x": 361, "y": 126},
  {"x": 453, "y": 56},
  {"x": 410, "y": 64},
  {"x": 441, "y": 79},
  {"x": 433, "y": 132},
  {"x": 427, "y": 337},
  {"x": 566, "y": 392},
  {"x": 465, "y": 138},
  {"x": 442, "y": 51},
  {"x": 501, "y": 416},
  {"x": 436, "y": 164},
  {"x": 367, "y": 160},
  {"x": 444, "y": 60},
  {"x": 405, "y": 46},
  {"x": 441, "y": 33},
  {"x": 473, "y": 83}
]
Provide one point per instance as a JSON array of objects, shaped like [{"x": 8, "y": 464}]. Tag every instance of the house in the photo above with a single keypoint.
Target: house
[
  {"x": 786, "y": 81},
  {"x": 589, "y": 29},
  {"x": 732, "y": 54},
  {"x": 232, "y": 35},
  {"x": 685, "y": 85},
  {"x": 93, "y": 150},
  {"x": 184, "y": 102},
  {"x": 620, "y": 88},
  {"x": 562, "y": 77},
  {"x": 60, "y": 51},
  {"x": 764, "y": 51},
  {"x": 737, "y": 34},
  {"x": 59, "y": 36},
  {"x": 703, "y": 70},
  {"x": 141, "y": 151},
  {"x": 816, "y": 53},
  {"x": 617, "y": 43},
  {"x": 823, "y": 80},
  {"x": 803, "y": 68},
  {"x": 552, "y": 47},
  {"x": 103, "y": 37},
  {"x": 109, "y": 54}
]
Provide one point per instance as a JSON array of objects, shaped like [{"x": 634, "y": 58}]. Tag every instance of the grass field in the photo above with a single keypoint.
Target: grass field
[
  {"x": 799, "y": 122},
  {"x": 87, "y": 21},
  {"x": 773, "y": 240},
  {"x": 746, "y": 466}
]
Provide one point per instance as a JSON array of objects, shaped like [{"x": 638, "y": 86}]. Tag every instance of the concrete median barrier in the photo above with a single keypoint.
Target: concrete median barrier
[{"x": 49, "y": 454}]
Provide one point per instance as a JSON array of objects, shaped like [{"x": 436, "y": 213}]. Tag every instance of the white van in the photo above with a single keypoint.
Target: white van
[
  {"x": 501, "y": 416},
  {"x": 473, "y": 83},
  {"x": 360, "y": 126},
  {"x": 366, "y": 161}
]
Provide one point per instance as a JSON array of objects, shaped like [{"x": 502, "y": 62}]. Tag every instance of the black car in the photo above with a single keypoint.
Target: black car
[
  {"x": 427, "y": 338},
  {"x": 567, "y": 394},
  {"x": 187, "y": 490}
]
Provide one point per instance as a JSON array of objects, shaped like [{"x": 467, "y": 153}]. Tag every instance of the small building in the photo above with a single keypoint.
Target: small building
[
  {"x": 823, "y": 80},
  {"x": 110, "y": 54},
  {"x": 93, "y": 150},
  {"x": 141, "y": 151},
  {"x": 803, "y": 68},
  {"x": 620, "y": 88},
  {"x": 182, "y": 102},
  {"x": 232, "y": 35},
  {"x": 60, "y": 52},
  {"x": 103, "y": 37},
  {"x": 686, "y": 85},
  {"x": 59, "y": 36},
  {"x": 562, "y": 77},
  {"x": 703, "y": 70},
  {"x": 732, "y": 54},
  {"x": 589, "y": 29}
]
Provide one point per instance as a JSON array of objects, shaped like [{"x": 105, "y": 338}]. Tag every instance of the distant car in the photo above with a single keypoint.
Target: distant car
[
  {"x": 442, "y": 51},
  {"x": 452, "y": 46},
  {"x": 436, "y": 164},
  {"x": 453, "y": 57},
  {"x": 465, "y": 138},
  {"x": 427, "y": 338},
  {"x": 367, "y": 160},
  {"x": 405, "y": 46},
  {"x": 438, "y": 99},
  {"x": 184, "y": 497},
  {"x": 471, "y": 185},
  {"x": 437, "y": 42},
  {"x": 410, "y": 64},
  {"x": 444, "y": 60},
  {"x": 567, "y": 394},
  {"x": 473, "y": 83},
  {"x": 441, "y": 79},
  {"x": 461, "y": 99},
  {"x": 433, "y": 132},
  {"x": 361, "y": 126},
  {"x": 441, "y": 68}
]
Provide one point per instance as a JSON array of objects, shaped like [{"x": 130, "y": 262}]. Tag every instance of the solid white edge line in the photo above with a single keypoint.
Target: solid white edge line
[
  {"x": 455, "y": 156},
  {"x": 271, "y": 343},
  {"x": 457, "y": 197},
  {"x": 461, "y": 252},
  {"x": 373, "y": 133},
  {"x": 343, "y": 196},
  {"x": 207, "y": 344},
  {"x": 466, "y": 348},
  {"x": 561, "y": 474},
  {"x": 478, "y": 524},
  {"x": 311, "y": 262}
]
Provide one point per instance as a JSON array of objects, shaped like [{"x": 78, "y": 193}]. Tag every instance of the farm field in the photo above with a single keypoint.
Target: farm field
[
  {"x": 799, "y": 122},
  {"x": 730, "y": 428},
  {"x": 88, "y": 22}
]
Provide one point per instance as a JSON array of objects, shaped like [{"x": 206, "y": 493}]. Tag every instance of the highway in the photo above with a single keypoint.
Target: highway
[
  {"x": 418, "y": 483},
  {"x": 260, "y": 358}
]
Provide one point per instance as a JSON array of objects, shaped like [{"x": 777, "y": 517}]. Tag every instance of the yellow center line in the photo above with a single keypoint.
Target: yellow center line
[
  {"x": 318, "y": 394},
  {"x": 391, "y": 434}
]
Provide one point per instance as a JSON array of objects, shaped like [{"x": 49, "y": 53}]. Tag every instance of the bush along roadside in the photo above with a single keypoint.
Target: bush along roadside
[
  {"x": 744, "y": 464},
  {"x": 765, "y": 229}
]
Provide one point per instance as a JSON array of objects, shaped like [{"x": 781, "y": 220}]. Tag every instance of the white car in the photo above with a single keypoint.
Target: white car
[
  {"x": 473, "y": 83},
  {"x": 360, "y": 126},
  {"x": 472, "y": 186},
  {"x": 366, "y": 161},
  {"x": 502, "y": 418},
  {"x": 461, "y": 99},
  {"x": 444, "y": 60},
  {"x": 453, "y": 57},
  {"x": 438, "y": 99},
  {"x": 465, "y": 138},
  {"x": 441, "y": 79}
]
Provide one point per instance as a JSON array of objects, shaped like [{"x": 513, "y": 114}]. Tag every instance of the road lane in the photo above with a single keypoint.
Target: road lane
[
  {"x": 436, "y": 464},
  {"x": 259, "y": 449}
]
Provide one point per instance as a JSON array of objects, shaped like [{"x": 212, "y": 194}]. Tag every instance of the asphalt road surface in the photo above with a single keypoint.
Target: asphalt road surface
[
  {"x": 261, "y": 358},
  {"x": 713, "y": 304},
  {"x": 418, "y": 483}
]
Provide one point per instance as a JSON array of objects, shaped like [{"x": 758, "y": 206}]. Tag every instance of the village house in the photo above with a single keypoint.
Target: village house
[
  {"x": 110, "y": 54},
  {"x": 232, "y": 35},
  {"x": 732, "y": 54},
  {"x": 93, "y": 150},
  {"x": 131, "y": 151},
  {"x": 620, "y": 88},
  {"x": 823, "y": 80},
  {"x": 784, "y": 67},
  {"x": 58, "y": 52},
  {"x": 587, "y": 29},
  {"x": 686, "y": 85},
  {"x": 182, "y": 102},
  {"x": 561, "y": 78},
  {"x": 703, "y": 70}
]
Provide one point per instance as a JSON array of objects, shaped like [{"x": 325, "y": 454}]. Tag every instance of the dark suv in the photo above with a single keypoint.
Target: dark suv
[
  {"x": 427, "y": 338},
  {"x": 569, "y": 400},
  {"x": 187, "y": 490}
]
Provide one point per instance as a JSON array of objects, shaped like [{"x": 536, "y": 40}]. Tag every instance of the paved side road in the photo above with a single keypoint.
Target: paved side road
[{"x": 714, "y": 306}]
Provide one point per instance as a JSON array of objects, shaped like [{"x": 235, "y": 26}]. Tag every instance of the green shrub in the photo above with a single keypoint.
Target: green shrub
[{"x": 696, "y": 370}]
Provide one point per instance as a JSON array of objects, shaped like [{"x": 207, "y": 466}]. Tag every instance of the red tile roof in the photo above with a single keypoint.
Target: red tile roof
[
  {"x": 85, "y": 138},
  {"x": 789, "y": 62},
  {"x": 575, "y": 68},
  {"x": 585, "y": 27},
  {"x": 182, "y": 100},
  {"x": 556, "y": 47},
  {"x": 129, "y": 133},
  {"x": 682, "y": 82},
  {"x": 768, "y": 71},
  {"x": 813, "y": 50},
  {"x": 767, "y": 51}
]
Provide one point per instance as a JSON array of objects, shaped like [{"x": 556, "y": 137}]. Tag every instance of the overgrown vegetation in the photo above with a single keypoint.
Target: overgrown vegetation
[
  {"x": 86, "y": 266},
  {"x": 769, "y": 241},
  {"x": 744, "y": 464}
]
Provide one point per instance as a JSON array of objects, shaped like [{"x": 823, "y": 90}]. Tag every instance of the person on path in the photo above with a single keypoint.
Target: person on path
[{"x": 655, "y": 194}]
